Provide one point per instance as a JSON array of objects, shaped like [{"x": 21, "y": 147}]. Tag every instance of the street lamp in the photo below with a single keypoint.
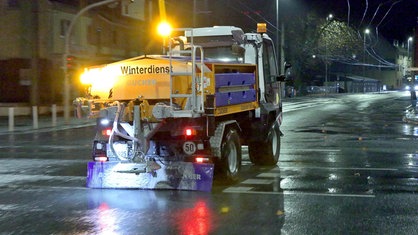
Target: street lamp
[
  {"x": 366, "y": 32},
  {"x": 329, "y": 18},
  {"x": 280, "y": 38},
  {"x": 277, "y": 33},
  {"x": 409, "y": 40},
  {"x": 164, "y": 29},
  {"x": 412, "y": 81},
  {"x": 66, "y": 99}
]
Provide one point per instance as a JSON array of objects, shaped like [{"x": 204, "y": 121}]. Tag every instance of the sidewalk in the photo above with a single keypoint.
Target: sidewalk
[{"x": 24, "y": 124}]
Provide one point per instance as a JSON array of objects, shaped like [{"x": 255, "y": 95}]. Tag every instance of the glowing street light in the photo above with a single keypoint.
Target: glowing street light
[
  {"x": 330, "y": 16},
  {"x": 164, "y": 29}
]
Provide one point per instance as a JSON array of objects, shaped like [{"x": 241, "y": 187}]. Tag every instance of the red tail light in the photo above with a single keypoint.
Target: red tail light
[
  {"x": 107, "y": 132},
  {"x": 189, "y": 132},
  {"x": 100, "y": 159},
  {"x": 201, "y": 159}
]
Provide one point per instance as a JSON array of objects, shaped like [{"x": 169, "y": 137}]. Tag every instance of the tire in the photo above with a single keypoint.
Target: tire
[
  {"x": 266, "y": 153},
  {"x": 230, "y": 162}
]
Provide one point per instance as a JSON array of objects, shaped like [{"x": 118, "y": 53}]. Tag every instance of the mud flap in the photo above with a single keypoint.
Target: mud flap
[{"x": 171, "y": 175}]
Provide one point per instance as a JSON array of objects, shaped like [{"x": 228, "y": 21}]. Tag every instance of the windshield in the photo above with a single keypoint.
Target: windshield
[
  {"x": 224, "y": 54},
  {"x": 219, "y": 48}
]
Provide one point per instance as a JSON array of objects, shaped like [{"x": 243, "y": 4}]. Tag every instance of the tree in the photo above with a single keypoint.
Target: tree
[
  {"x": 314, "y": 41},
  {"x": 337, "y": 42}
]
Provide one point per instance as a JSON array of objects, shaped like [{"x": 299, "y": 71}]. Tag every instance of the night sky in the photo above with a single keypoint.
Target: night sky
[{"x": 393, "y": 19}]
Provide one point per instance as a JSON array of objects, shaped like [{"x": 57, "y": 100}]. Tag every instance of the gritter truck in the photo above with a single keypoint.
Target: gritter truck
[{"x": 175, "y": 120}]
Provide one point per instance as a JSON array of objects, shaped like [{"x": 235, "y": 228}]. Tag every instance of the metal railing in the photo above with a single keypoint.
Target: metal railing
[{"x": 195, "y": 98}]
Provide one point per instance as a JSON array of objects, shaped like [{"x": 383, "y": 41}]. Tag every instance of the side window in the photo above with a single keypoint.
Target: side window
[{"x": 269, "y": 62}]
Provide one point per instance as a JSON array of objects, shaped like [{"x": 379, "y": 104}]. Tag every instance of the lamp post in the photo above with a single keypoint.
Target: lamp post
[
  {"x": 277, "y": 33},
  {"x": 329, "y": 18},
  {"x": 409, "y": 40},
  {"x": 66, "y": 100},
  {"x": 366, "y": 31},
  {"x": 408, "y": 65}
]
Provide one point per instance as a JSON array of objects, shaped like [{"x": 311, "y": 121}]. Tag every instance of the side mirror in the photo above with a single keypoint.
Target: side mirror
[
  {"x": 281, "y": 78},
  {"x": 287, "y": 75},
  {"x": 238, "y": 36}
]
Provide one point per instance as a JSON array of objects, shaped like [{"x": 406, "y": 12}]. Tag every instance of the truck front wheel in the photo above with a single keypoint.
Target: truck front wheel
[
  {"x": 230, "y": 162},
  {"x": 267, "y": 152}
]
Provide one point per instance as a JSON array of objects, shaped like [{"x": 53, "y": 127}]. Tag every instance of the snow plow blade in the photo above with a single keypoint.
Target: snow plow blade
[{"x": 171, "y": 175}]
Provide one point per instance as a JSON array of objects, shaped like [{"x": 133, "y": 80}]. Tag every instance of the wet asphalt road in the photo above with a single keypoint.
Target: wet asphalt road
[{"x": 348, "y": 165}]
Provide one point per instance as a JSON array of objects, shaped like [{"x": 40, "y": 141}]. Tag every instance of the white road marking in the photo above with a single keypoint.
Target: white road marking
[
  {"x": 45, "y": 146},
  {"x": 237, "y": 189},
  {"x": 257, "y": 181},
  {"x": 269, "y": 175},
  {"x": 275, "y": 173},
  {"x": 300, "y": 105},
  {"x": 48, "y": 187},
  {"x": 338, "y": 168},
  {"x": 9, "y": 207},
  {"x": 242, "y": 190},
  {"x": 63, "y": 187},
  {"x": 9, "y": 178},
  {"x": 308, "y": 150}
]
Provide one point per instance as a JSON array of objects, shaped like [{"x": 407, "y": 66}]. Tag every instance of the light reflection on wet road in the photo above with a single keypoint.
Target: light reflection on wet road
[{"x": 348, "y": 165}]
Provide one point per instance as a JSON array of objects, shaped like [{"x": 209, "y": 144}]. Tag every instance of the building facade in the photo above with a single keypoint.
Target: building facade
[{"x": 32, "y": 44}]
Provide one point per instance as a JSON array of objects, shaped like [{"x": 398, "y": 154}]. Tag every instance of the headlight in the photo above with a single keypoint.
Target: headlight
[{"x": 407, "y": 88}]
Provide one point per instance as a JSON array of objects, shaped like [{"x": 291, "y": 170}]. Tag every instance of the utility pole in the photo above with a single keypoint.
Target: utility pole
[
  {"x": 414, "y": 60},
  {"x": 282, "y": 50},
  {"x": 278, "y": 46}
]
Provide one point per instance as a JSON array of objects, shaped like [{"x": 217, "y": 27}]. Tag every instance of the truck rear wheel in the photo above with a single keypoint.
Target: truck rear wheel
[
  {"x": 266, "y": 152},
  {"x": 230, "y": 162}
]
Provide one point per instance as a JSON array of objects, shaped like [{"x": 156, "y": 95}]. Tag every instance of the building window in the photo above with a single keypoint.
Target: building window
[
  {"x": 64, "y": 25},
  {"x": 12, "y": 3}
]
